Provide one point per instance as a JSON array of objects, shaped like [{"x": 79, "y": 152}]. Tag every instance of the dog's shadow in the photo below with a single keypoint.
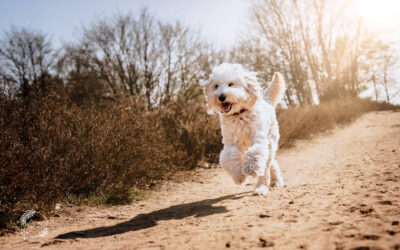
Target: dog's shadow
[{"x": 142, "y": 221}]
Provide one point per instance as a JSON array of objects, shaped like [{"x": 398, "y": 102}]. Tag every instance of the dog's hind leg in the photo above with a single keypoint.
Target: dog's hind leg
[
  {"x": 261, "y": 186},
  {"x": 276, "y": 177}
]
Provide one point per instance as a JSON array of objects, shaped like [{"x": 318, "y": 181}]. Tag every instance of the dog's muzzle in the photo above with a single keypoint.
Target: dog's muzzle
[{"x": 221, "y": 97}]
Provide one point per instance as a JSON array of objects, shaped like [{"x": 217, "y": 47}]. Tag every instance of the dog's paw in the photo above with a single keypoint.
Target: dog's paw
[
  {"x": 277, "y": 183},
  {"x": 238, "y": 177},
  {"x": 261, "y": 190}
]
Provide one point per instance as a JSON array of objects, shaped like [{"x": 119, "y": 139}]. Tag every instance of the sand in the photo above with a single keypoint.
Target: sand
[{"x": 342, "y": 192}]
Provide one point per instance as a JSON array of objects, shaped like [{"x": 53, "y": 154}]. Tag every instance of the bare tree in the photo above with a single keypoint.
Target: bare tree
[
  {"x": 321, "y": 51},
  {"x": 389, "y": 59},
  {"x": 181, "y": 51},
  {"x": 124, "y": 53},
  {"x": 108, "y": 47},
  {"x": 141, "y": 58},
  {"x": 381, "y": 61},
  {"x": 147, "y": 49},
  {"x": 278, "y": 27},
  {"x": 25, "y": 57}
]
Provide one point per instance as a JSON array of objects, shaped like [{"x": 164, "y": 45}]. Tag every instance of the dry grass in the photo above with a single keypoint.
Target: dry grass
[
  {"x": 52, "y": 150},
  {"x": 303, "y": 122}
]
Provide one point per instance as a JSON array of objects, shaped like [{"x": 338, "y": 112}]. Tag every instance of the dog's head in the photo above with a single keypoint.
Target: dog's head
[{"x": 231, "y": 89}]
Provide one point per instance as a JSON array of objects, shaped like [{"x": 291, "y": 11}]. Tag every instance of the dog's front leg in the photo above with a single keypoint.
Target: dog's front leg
[
  {"x": 256, "y": 157},
  {"x": 231, "y": 159}
]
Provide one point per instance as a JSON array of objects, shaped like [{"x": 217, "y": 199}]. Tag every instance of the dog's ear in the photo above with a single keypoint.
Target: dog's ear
[
  {"x": 211, "y": 110},
  {"x": 207, "y": 92},
  {"x": 207, "y": 87},
  {"x": 253, "y": 88}
]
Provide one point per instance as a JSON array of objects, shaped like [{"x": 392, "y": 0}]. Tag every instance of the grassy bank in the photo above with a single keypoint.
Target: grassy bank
[{"x": 303, "y": 122}]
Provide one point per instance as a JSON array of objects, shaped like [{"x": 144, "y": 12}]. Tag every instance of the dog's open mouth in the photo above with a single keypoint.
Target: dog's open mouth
[{"x": 226, "y": 107}]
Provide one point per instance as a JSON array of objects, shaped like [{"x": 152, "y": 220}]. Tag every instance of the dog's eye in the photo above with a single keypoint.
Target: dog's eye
[
  {"x": 230, "y": 84},
  {"x": 216, "y": 86}
]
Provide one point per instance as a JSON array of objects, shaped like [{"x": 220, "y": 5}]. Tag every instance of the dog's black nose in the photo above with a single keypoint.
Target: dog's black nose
[{"x": 222, "y": 97}]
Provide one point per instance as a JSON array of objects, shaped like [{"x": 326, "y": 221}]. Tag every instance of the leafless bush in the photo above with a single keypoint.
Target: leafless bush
[{"x": 52, "y": 148}]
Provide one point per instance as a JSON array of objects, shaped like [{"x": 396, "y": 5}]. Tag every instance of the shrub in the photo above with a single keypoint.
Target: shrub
[{"x": 51, "y": 148}]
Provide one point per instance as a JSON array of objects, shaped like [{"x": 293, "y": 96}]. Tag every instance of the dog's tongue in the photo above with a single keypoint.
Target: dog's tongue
[{"x": 226, "y": 107}]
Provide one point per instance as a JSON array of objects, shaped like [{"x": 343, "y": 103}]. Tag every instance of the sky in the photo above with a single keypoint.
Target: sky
[
  {"x": 221, "y": 22},
  {"x": 218, "y": 21}
]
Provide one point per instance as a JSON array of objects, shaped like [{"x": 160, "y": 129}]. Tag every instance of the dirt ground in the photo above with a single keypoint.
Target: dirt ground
[{"x": 343, "y": 192}]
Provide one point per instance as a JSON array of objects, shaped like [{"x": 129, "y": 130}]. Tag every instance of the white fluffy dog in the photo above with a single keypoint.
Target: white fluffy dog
[{"x": 248, "y": 123}]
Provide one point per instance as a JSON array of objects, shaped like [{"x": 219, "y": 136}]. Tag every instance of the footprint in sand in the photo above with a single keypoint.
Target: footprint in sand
[
  {"x": 391, "y": 232},
  {"x": 385, "y": 202},
  {"x": 371, "y": 237}
]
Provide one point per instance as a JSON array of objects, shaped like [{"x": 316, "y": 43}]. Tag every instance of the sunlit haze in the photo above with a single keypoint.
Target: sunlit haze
[{"x": 380, "y": 13}]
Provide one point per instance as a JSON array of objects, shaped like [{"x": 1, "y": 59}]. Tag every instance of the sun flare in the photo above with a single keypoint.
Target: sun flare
[{"x": 381, "y": 13}]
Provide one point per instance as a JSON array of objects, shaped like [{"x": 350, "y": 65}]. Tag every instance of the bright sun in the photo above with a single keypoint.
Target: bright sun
[{"x": 380, "y": 13}]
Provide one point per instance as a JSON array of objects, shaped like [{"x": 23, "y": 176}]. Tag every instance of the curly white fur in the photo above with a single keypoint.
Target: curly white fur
[{"x": 248, "y": 123}]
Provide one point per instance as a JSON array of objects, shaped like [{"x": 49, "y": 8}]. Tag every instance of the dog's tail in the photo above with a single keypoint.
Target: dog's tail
[{"x": 276, "y": 89}]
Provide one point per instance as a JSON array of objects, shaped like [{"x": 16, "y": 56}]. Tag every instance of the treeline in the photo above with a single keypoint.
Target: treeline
[
  {"x": 123, "y": 56},
  {"x": 324, "y": 50}
]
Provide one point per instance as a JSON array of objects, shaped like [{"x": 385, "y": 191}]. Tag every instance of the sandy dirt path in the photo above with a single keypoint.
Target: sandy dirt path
[{"x": 343, "y": 192}]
